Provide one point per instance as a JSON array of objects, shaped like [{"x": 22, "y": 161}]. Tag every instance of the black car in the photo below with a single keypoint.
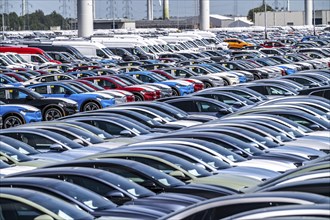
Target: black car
[
  {"x": 149, "y": 177},
  {"x": 323, "y": 91},
  {"x": 85, "y": 199},
  {"x": 201, "y": 105},
  {"x": 51, "y": 108}
]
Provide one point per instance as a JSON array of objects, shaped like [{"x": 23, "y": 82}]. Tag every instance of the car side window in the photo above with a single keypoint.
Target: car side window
[
  {"x": 15, "y": 210},
  {"x": 185, "y": 106},
  {"x": 88, "y": 183},
  {"x": 56, "y": 89},
  {"x": 207, "y": 107},
  {"x": 37, "y": 141},
  {"x": 16, "y": 94},
  {"x": 47, "y": 79},
  {"x": 3, "y": 94},
  {"x": 260, "y": 89},
  {"x": 41, "y": 89},
  {"x": 275, "y": 91}
]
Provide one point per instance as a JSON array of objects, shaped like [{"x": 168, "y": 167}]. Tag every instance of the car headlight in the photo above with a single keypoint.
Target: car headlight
[{"x": 62, "y": 104}]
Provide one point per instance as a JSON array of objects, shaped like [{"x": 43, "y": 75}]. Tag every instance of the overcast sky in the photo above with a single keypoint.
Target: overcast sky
[{"x": 177, "y": 7}]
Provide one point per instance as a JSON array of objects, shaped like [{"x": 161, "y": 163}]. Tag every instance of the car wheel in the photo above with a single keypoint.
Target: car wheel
[
  {"x": 138, "y": 97},
  {"x": 12, "y": 121},
  {"x": 52, "y": 114},
  {"x": 175, "y": 92},
  {"x": 207, "y": 85},
  {"x": 226, "y": 82},
  {"x": 90, "y": 106}
]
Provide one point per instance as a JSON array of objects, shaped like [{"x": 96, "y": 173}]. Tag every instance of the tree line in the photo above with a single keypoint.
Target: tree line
[{"x": 34, "y": 21}]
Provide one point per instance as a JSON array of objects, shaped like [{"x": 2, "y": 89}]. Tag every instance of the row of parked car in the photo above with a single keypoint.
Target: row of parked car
[
  {"x": 189, "y": 157},
  {"x": 121, "y": 142}
]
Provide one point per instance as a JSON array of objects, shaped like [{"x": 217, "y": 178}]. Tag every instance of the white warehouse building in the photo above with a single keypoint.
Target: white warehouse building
[{"x": 290, "y": 18}]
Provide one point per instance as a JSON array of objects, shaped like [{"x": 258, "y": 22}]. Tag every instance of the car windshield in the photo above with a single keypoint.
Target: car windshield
[
  {"x": 90, "y": 199},
  {"x": 128, "y": 186},
  {"x": 58, "y": 207},
  {"x": 207, "y": 158},
  {"x": 34, "y": 94},
  {"x": 13, "y": 153},
  {"x": 18, "y": 145},
  {"x": 98, "y": 132},
  {"x": 187, "y": 166}
]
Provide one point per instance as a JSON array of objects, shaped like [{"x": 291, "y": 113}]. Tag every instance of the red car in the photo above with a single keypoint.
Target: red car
[
  {"x": 107, "y": 82},
  {"x": 129, "y": 96},
  {"x": 158, "y": 92},
  {"x": 198, "y": 85},
  {"x": 272, "y": 44}
]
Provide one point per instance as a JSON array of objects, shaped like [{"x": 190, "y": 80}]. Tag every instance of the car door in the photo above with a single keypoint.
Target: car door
[
  {"x": 17, "y": 96},
  {"x": 209, "y": 108},
  {"x": 187, "y": 106}
]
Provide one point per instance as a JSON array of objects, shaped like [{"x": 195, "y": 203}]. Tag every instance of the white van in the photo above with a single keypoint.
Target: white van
[
  {"x": 135, "y": 46},
  {"x": 90, "y": 49}
]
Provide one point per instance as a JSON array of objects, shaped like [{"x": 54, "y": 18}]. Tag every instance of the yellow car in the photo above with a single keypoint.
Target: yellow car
[{"x": 234, "y": 43}]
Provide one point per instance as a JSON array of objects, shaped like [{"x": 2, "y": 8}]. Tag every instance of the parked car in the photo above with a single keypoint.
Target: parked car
[
  {"x": 86, "y": 101},
  {"x": 51, "y": 108}
]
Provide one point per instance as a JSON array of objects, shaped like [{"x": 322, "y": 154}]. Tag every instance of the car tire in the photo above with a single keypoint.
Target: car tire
[
  {"x": 207, "y": 85},
  {"x": 90, "y": 106},
  {"x": 52, "y": 114},
  {"x": 138, "y": 97},
  {"x": 175, "y": 92},
  {"x": 12, "y": 121},
  {"x": 226, "y": 82}
]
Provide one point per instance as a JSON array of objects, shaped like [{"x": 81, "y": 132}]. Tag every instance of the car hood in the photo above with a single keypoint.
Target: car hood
[
  {"x": 15, "y": 169},
  {"x": 186, "y": 123},
  {"x": 231, "y": 181},
  {"x": 267, "y": 164}
]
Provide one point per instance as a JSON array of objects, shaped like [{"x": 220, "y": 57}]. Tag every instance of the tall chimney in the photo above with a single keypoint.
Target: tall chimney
[
  {"x": 308, "y": 12},
  {"x": 204, "y": 14},
  {"x": 166, "y": 9},
  {"x": 150, "y": 10},
  {"x": 85, "y": 18}
]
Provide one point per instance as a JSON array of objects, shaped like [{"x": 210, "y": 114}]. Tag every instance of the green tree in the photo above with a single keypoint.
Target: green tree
[{"x": 261, "y": 8}]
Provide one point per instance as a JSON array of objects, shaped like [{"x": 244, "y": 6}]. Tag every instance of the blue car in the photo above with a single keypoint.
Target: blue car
[
  {"x": 14, "y": 115},
  {"x": 179, "y": 87},
  {"x": 86, "y": 101},
  {"x": 9, "y": 81}
]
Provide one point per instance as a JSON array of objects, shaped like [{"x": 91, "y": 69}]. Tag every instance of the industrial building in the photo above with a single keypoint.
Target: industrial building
[{"x": 291, "y": 18}]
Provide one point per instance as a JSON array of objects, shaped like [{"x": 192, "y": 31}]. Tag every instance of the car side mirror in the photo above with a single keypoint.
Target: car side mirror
[
  {"x": 158, "y": 120},
  {"x": 148, "y": 184},
  {"x": 56, "y": 147},
  {"x": 238, "y": 104},
  {"x": 224, "y": 111},
  {"x": 126, "y": 133},
  {"x": 43, "y": 217},
  {"x": 253, "y": 99},
  {"x": 239, "y": 152},
  {"x": 114, "y": 194},
  {"x": 200, "y": 165},
  {"x": 315, "y": 127},
  {"x": 68, "y": 92},
  {"x": 177, "y": 173},
  {"x": 287, "y": 94}
]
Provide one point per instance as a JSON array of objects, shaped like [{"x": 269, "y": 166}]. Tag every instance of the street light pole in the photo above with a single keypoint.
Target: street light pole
[{"x": 265, "y": 18}]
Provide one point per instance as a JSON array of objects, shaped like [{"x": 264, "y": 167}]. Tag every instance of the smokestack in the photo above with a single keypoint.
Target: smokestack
[
  {"x": 288, "y": 5},
  {"x": 85, "y": 18},
  {"x": 150, "y": 10},
  {"x": 204, "y": 14},
  {"x": 308, "y": 12},
  {"x": 166, "y": 9}
]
